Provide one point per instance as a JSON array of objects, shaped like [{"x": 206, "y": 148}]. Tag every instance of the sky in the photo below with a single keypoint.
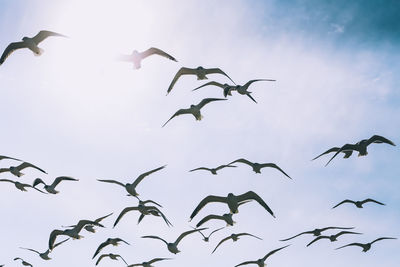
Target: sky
[{"x": 75, "y": 111}]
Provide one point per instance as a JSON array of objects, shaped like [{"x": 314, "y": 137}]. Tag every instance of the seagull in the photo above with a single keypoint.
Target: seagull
[
  {"x": 227, "y": 217},
  {"x": 213, "y": 170},
  {"x": 21, "y": 186},
  {"x": 332, "y": 238},
  {"x": 109, "y": 241},
  {"x": 200, "y": 72},
  {"x": 194, "y": 109},
  {"x": 318, "y": 231},
  {"x": 227, "y": 89},
  {"x": 258, "y": 166},
  {"x": 261, "y": 262},
  {"x": 359, "y": 203},
  {"x": 23, "y": 262},
  {"x": 30, "y": 43},
  {"x": 173, "y": 247},
  {"x": 131, "y": 188},
  {"x": 16, "y": 170},
  {"x": 347, "y": 153},
  {"x": 232, "y": 201},
  {"x": 361, "y": 146},
  {"x": 207, "y": 238},
  {"x": 73, "y": 232},
  {"x": 111, "y": 256},
  {"x": 90, "y": 227},
  {"x": 52, "y": 188},
  {"x": 137, "y": 57},
  {"x": 45, "y": 255},
  {"x": 141, "y": 202},
  {"x": 234, "y": 237},
  {"x": 366, "y": 246},
  {"x": 242, "y": 89},
  {"x": 144, "y": 210},
  {"x": 148, "y": 263}
]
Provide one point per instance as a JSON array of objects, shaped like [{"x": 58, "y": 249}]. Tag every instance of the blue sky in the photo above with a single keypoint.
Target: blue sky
[{"x": 75, "y": 111}]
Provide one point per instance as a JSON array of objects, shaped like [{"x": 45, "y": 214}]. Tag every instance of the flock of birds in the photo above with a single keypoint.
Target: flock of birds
[{"x": 151, "y": 207}]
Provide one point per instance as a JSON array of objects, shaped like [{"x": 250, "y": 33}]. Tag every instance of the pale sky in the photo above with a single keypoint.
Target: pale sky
[{"x": 76, "y": 111}]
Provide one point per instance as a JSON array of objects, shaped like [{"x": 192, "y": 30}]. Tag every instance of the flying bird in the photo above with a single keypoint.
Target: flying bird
[
  {"x": 45, "y": 255},
  {"x": 258, "y": 166},
  {"x": 148, "y": 263},
  {"x": 213, "y": 170},
  {"x": 90, "y": 227},
  {"x": 361, "y": 146},
  {"x": 173, "y": 247},
  {"x": 16, "y": 170},
  {"x": 359, "y": 204},
  {"x": 194, "y": 109},
  {"x": 200, "y": 72},
  {"x": 332, "y": 238},
  {"x": 30, "y": 43},
  {"x": 243, "y": 89},
  {"x": 52, "y": 188},
  {"x": 227, "y": 217},
  {"x": 131, "y": 188},
  {"x": 366, "y": 246},
  {"x": 347, "y": 153},
  {"x": 261, "y": 262},
  {"x": 109, "y": 241},
  {"x": 233, "y": 202},
  {"x": 318, "y": 231},
  {"x": 137, "y": 57},
  {"x": 111, "y": 256},
  {"x": 207, "y": 238},
  {"x": 234, "y": 237},
  {"x": 144, "y": 210},
  {"x": 25, "y": 263},
  {"x": 21, "y": 186},
  {"x": 227, "y": 89}
]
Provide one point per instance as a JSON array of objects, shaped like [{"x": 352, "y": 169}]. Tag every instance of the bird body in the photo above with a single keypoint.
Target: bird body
[
  {"x": 52, "y": 187},
  {"x": 23, "y": 262},
  {"x": 213, "y": 170},
  {"x": 258, "y": 166},
  {"x": 359, "y": 204},
  {"x": 136, "y": 57},
  {"x": 366, "y": 246},
  {"x": 16, "y": 170},
  {"x": 243, "y": 89}
]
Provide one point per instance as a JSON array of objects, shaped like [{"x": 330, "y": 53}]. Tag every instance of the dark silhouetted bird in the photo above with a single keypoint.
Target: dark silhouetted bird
[
  {"x": 359, "y": 204},
  {"x": 366, "y": 246}
]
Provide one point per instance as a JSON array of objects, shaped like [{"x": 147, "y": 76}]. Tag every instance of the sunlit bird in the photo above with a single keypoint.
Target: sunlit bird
[
  {"x": 200, "y": 72},
  {"x": 366, "y": 246},
  {"x": 318, "y": 231},
  {"x": 52, "y": 188},
  {"x": 194, "y": 109},
  {"x": 332, "y": 238},
  {"x": 261, "y": 262},
  {"x": 109, "y": 241},
  {"x": 234, "y": 237},
  {"x": 30, "y": 43},
  {"x": 137, "y": 57},
  {"x": 258, "y": 166},
  {"x": 111, "y": 256},
  {"x": 45, "y": 255},
  {"x": 149, "y": 263},
  {"x": 358, "y": 204}
]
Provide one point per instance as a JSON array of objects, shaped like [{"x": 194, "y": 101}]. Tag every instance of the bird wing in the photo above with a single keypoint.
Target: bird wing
[
  {"x": 351, "y": 244},
  {"x": 220, "y": 242},
  {"x": 102, "y": 218},
  {"x": 382, "y": 238},
  {"x": 217, "y": 70},
  {"x": 307, "y": 232},
  {"x": 158, "y": 259},
  {"x": 346, "y": 232},
  {"x": 257, "y": 80},
  {"x": 253, "y": 195},
  {"x": 371, "y": 200},
  {"x": 205, "y": 201},
  {"x": 37, "y": 181},
  {"x": 179, "y": 112},
  {"x": 252, "y": 98},
  {"x": 201, "y": 233},
  {"x": 11, "y": 48},
  {"x": 246, "y": 262},
  {"x": 44, "y": 34},
  {"x": 273, "y": 165},
  {"x": 121, "y": 240},
  {"x": 379, "y": 139},
  {"x": 333, "y": 149},
  {"x": 209, "y": 217},
  {"x": 344, "y": 201},
  {"x": 53, "y": 236},
  {"x": 209, "y": 83},
  {"x": 6, "y": 157},
  {"x": 101, "y": 257},
  {"x": 82, "y": 223},
  {"x": 62, "y": 178},
  {"x": 27, "y": 164},
  {"x": 155, "y": 237},
  {"x": 273, "y": 251},
  {"x": 200, "y": 168},
  {"x": 122, "y": 259},
  {"x": 31, "y": 250},
  {"x": 181, "y": 71},
  {"x": 151, "y": 201},
  {"x": 225, "y": 166},
  {"x": 242, "y": 234},
  {"x": 7, "y": 180},
  {"x": 123, "y": 212},
  {"x": 142, "y": 176},
  {"x": 59, "y": 243},
  {"x": 242, "y": 160},
  {"x": 101, "y": 246},
  {"x": 346, "y": 147},
  {"x": 187, "y": 233},
  {"x": 317, "y": 238},
  {"x": 112, "y": 181},
  {"x": 215, "y": 231},
  {"x": 205, "y": 101},
  {"x": 334, "y": 227},
  {"x": 162, "y": 215},
  {"x": 153, "y": 50}
]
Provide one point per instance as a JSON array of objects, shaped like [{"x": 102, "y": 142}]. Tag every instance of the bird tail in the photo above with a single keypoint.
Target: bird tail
[{"x": 38, "y": 52}]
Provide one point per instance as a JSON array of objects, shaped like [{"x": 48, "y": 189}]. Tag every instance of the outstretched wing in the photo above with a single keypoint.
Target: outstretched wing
[
  {"x": 181, "y": 71},
  {"x": 155, "y": 237},
  {"x": 158, "y": 259},
  {"x": 31, "y": 250},
  {"x": 27, "y": 164},
  {"x": 273, "y": 251},
  {"x": 333, "y": 149},
  {"x": 44, "y": 34},
  {"x": 179, "y": 112},
  {"x": 82, "y": 223},
  {"x": 7, "y": 180},
  {"x": 142, "y": 176},
  {"x": 220, "y": 242},
  {"x": 102, "y": 245},
  {"x": 215, "y": 231},
  {"x": 102, "y": 218},
  {"x": 209, "y": 217},
  {"x": 344, "y": 201},
  {"x": 253, "y": 195},
  {"x": 11, "y": 48},
  {"x": 59, "y": 243},
  {"x": 6, "y": 157},
  {"x": 257, "y": 80},
  {"x": 379, "y": 139},
  {"x": 246, "y": 262},
  {"x": 187, "y": 233},
  {"x": 201, "y": 168},
  {"x": 217, "y": 70},
  {"x": 318, "y": 238},
  {"x": 307, "y": 232},
  {"x": 205, "y": 101},
  {"x": 205, "y": 201},
  {"x": 245, "y": 161},
  {"x": 156, "y": 51},
  {"x": 112, "y": 182},
  {"x": 225, "y": 166},
  {"x": 252, "y": 98},
  {"x": 53, "y": 236},
  {"x": 382, "y": 238},
  {"x": 62, "y": 178},
  {"x": 209, "y": 83},
  {"x": 371, "y": 200},
  {"x": 242, "y": 234},
  {"x": 346, "y": 147},
  {"x": 123, "y": 212},
  {"x": 346, "y": 232},
  {"x": 273, "y": 165},
  {"x": 351, "y": 244},
  {"x": 101, "y": 257}
]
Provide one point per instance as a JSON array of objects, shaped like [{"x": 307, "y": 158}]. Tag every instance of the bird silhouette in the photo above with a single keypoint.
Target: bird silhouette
[
  {"x": 111, "y": 256},
  {"x": 258, "y": 166},
  {"x": 21, "y": 186},
  {"x": 359, "y": 204},
  {"x": 318, "y": 231},
  {"x": 52, "y": 188},
  {"x": 45, "y": 255},
  {"x": 234, "y": 237},
  {"x": 366, "y": 246},
  {"x": 109, "y": 241},
  {"x": 16, "y": 170},
  {"x": 213, "y": 170},
  {"x": 148, "y": 263},
  {"x": 207, "y": 238},
  {"x": 332, "y": 238},
  {"x": 261, "y": 262}
]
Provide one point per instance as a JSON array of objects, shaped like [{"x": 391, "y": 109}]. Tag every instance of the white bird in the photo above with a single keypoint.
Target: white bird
[
  {"x": 200, "y": 72},
  {"x": 194, "y": 109},
  {"x": 16, "y": 170},
  {"x": 131, "y": 188},
  {"x": 45, "y": 255},
  {"x": 52, "y": 188},
  {"x": 137, "y": 57},
  {"x": 261, "y": 262},
  {"x": 21, "y": 186},
  {"x": 30, "y": 43}
]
